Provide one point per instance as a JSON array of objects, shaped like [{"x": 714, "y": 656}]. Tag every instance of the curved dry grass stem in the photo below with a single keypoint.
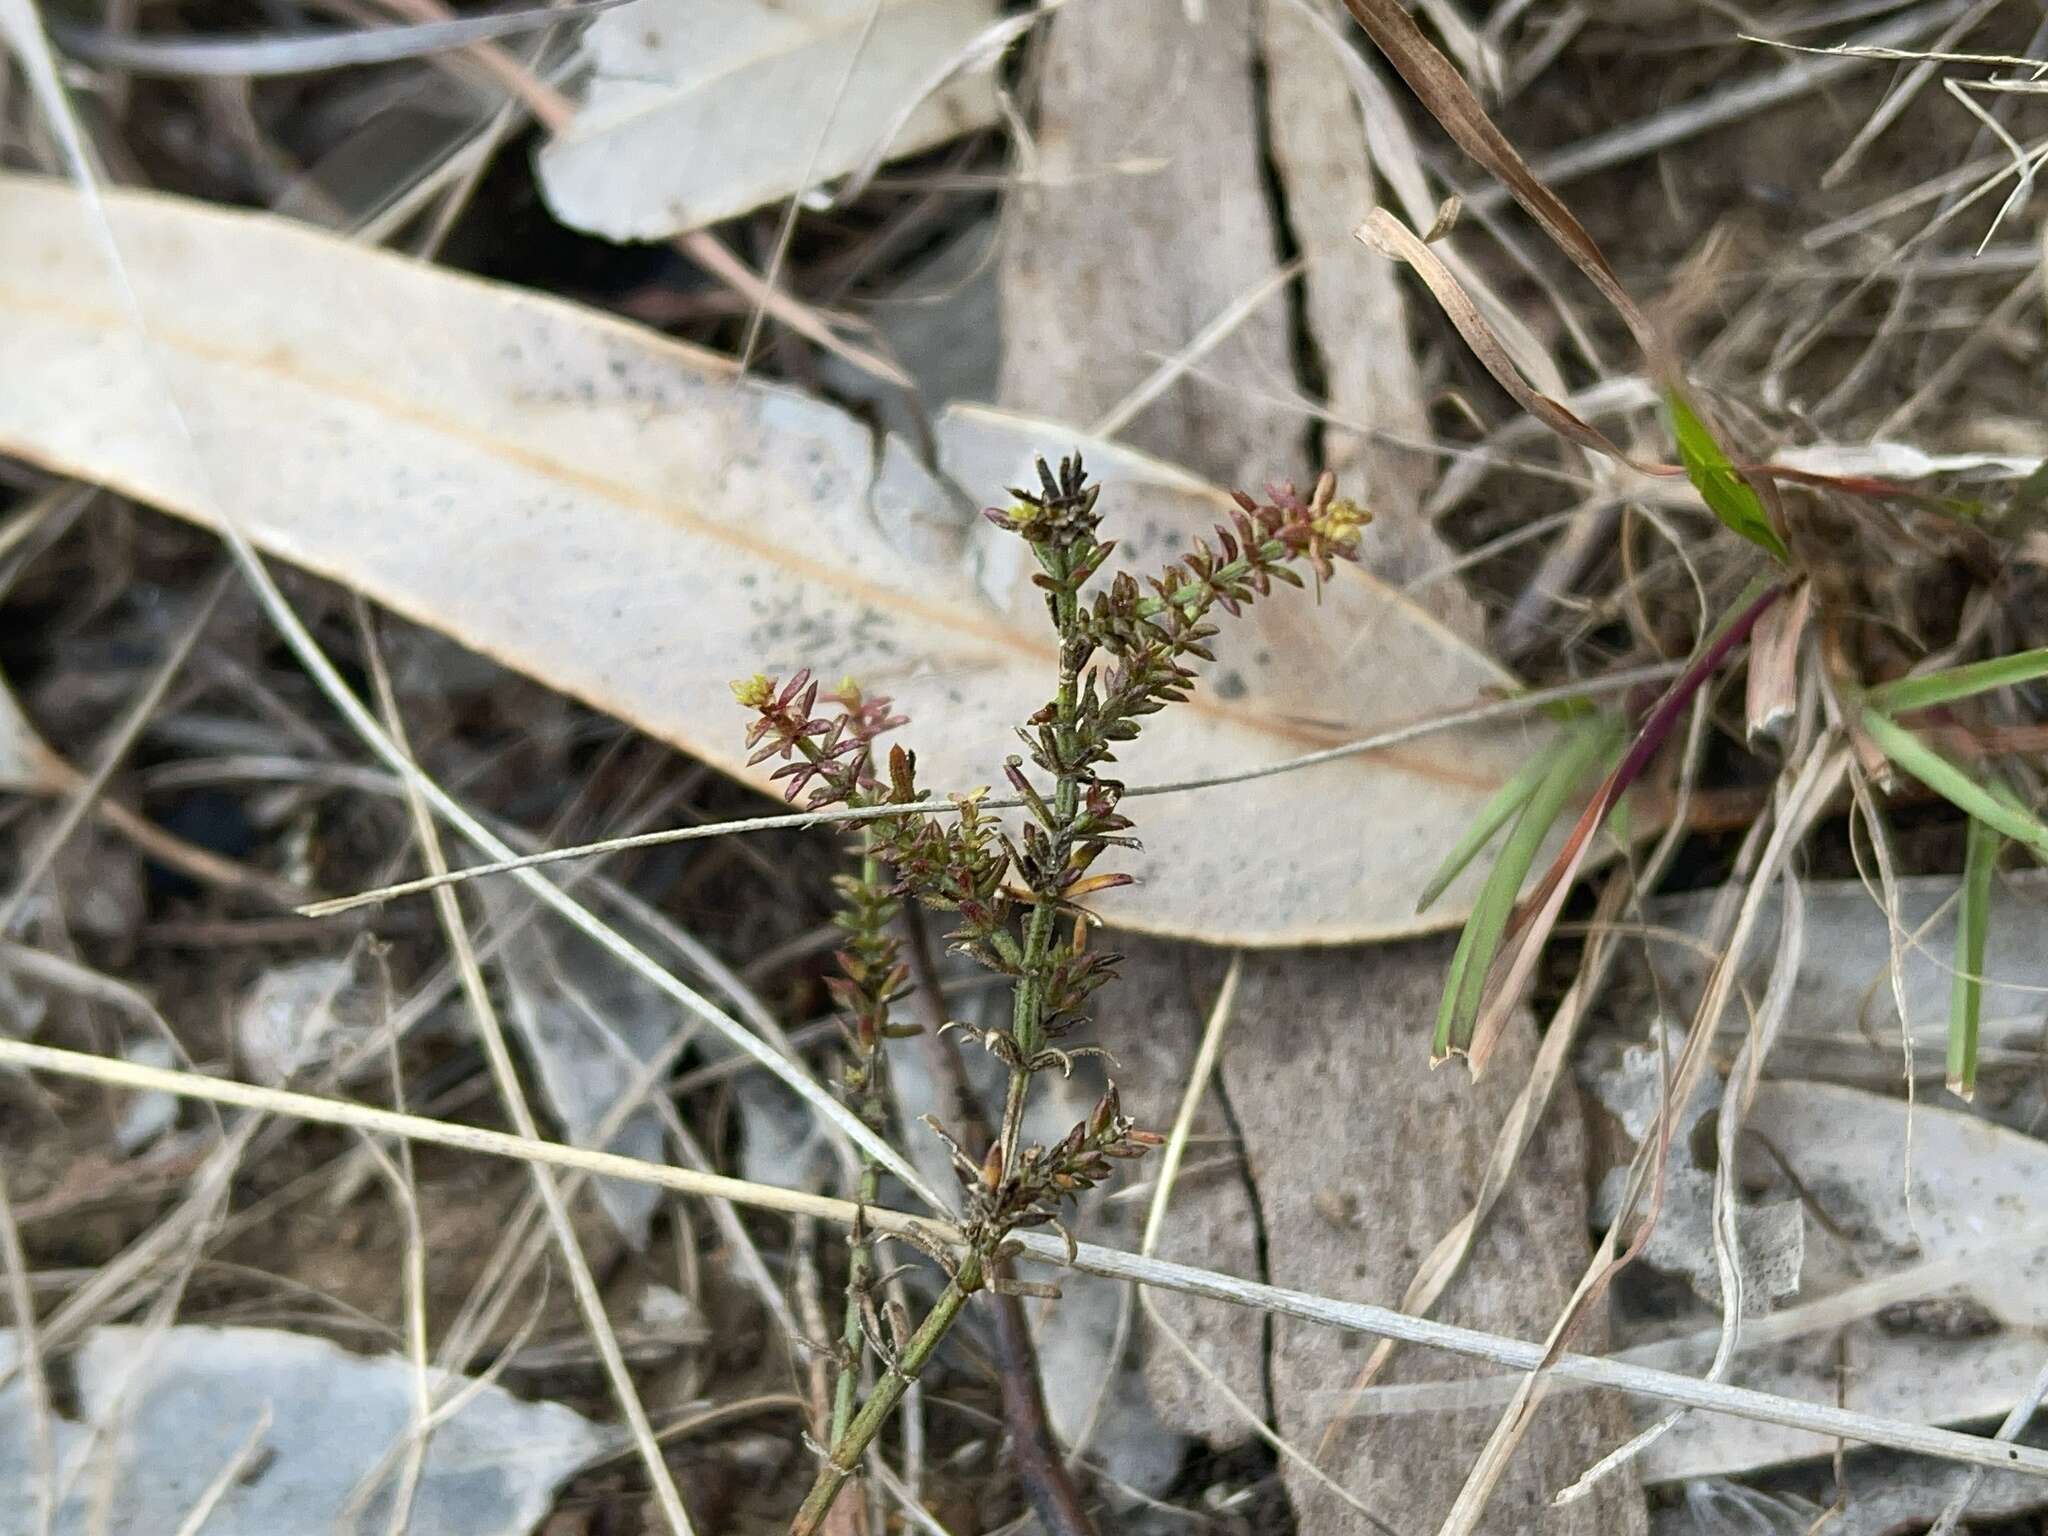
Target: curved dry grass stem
[
  {"x": 29, "y": 1351},
  {"x": 1114, "y": 1264}
]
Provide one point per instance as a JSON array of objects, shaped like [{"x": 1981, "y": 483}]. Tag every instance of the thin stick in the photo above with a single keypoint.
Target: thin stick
[
  {"x": 1091, "y": 1258},
  {"x": 1474, "y": 714}
]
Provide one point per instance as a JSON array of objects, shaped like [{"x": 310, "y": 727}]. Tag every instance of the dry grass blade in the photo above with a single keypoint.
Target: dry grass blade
[
  {"x": 483, "y": 1012},
  {"x": 1743, "y": 1077},
  {"x": 1726, "y": 104},
  {"x": 232, "y": 1471},
  {"x": 1804, "y": 798},
  {"x": 1393, "y": 239},
  {"x": 1221, "y": 1012},
  {"x": 2022, "y": 1414},
  {"x": 299, "y": 54},
  {"x": 1204, "y": 341},
  {"x": 1355, "y": 1317},
  {"x": 1452, "y": 102},
  {"x": 1771, "y": 690},
  {"x": 1899, "y": 97}
]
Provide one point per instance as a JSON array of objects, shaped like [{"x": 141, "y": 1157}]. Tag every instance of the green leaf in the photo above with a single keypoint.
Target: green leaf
[
  {"x": 1464, "y": 988},
  {"x": 1966, "y": 987},
  {"x": 1494, "y": 815},
  {"x": 1952, "y": 683},
  {"x": 1915, "y": 757},
  {"x": 1731, "y": 497}
]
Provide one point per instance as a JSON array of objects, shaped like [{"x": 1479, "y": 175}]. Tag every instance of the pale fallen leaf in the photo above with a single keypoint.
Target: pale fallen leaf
[
  {"x": 305, "y": 1014},
  {"x": 159, "y": 1414},
  {"x": 1845, "y": 1025},
  {"x": 589, "y": 1025},
  {"x": 697, "y": 110},
  {"x": 1957, "y": 1352},
  {"x": 625, "y": 519},
  {"x": 1772, "y": 1236},
  {"x": 1887, "y": 1494}
]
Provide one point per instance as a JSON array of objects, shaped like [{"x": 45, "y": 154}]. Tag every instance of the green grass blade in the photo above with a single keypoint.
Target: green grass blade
[
  {"x": 1731, "y": 498},
  {"x": 1464, "y": 988},
  {"x": 1952, "y": 683},
  {"x": 1914, "y": 756},
  {"x": 1966, "y": 988},
  {"x": 1494, "y": 815}
]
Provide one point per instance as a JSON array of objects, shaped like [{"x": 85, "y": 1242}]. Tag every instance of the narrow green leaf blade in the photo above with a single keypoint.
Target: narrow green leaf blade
[
  {"x": 1952, "y": 683},
  {"x": 1915, "y": 757},
  {"x": 1966, "y": 988},
  {"x": 1464, "y": 988},
  {"x": 1494, "y": 815},
  {"x": 1713, "y": 475}
]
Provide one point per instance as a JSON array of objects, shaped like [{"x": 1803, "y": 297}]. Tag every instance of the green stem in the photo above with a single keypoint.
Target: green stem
[
  {"x": 859, "y": 1267},
  {"x": 1027, "y": 1017},
  {"x": 848, "y": 1448},
  {"x": 870, "y": 1106}
]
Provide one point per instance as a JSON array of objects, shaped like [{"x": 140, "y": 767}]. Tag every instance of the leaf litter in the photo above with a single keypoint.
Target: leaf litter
[
  {"x": 649, "y": 481},
  {"x": 934, "y": 530},
  {"x": 159, "y": 1412},
  {"x": 697, "y": 110}
]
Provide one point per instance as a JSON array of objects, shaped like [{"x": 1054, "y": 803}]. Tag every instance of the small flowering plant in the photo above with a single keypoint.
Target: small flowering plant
[{"x": 1124, "y": 654}]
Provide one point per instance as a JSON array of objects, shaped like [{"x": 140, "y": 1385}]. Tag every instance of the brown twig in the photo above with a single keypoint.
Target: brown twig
[{"x": 1041, "y": 1469}]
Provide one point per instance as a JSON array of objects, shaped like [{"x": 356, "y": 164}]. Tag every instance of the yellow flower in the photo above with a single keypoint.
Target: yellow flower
[{"x": 755, "y": 692}]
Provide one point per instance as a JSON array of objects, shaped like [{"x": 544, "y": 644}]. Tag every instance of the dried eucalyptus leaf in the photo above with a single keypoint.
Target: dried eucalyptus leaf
[
  {"x": 697, "y": 110},
  {"x": 161, "y": 1413},
  {"x": 628, "y": 520}
]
